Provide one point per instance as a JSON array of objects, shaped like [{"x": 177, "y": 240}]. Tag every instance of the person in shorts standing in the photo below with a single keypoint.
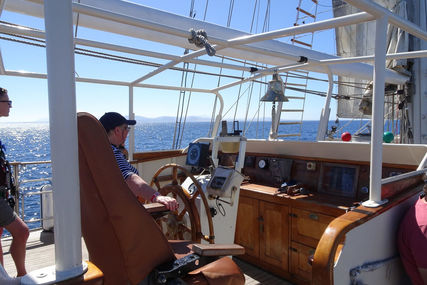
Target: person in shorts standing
[{"x": 8, "y": 218}]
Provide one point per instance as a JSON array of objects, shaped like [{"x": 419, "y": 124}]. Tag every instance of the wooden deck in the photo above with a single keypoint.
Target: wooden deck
[{"x": 41, "y": 253}]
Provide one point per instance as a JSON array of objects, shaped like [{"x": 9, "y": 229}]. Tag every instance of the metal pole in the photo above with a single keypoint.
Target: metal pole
[
  {"x": 377, "y": 115},
  {"x": 132, "y": 132},
  {"x": 64, "y": 152},
  {"x": 324, "y": 117},
  {"x": 218, "y": 117}
]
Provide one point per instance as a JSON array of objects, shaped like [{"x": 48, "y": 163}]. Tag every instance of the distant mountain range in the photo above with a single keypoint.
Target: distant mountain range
[
  {"x": 139, "y": 119},
  {"x": 170, "y": 119}
]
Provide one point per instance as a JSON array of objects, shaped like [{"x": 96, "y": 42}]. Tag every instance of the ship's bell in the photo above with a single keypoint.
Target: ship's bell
[{"x": 275, "y": 91}]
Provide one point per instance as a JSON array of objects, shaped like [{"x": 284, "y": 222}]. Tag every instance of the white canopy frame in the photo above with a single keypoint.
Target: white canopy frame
[{"x": 69, "y": 265}]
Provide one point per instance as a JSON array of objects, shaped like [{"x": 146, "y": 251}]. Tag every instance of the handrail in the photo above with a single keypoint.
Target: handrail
[
  {"x": 20, "y": 196},
  {"x": 324, "y": 256},
  {"x": 423, "y": 163},
  {"x": 403, "y": 176}
]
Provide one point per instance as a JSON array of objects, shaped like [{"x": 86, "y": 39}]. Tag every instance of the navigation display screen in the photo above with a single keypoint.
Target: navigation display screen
[{"x": 338, "y": 179}]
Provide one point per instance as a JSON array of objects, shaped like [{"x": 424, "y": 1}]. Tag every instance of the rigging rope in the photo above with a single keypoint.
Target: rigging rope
[
  {"x": 107, "y": 56},
  {"x": 200, "y": 39},
  {"x": 182, "y": 93},
  {"x": 75, "y": 35},
  {"x": 230, "y": 13},
  {"x": 244, "y": 63},
  {"x": 179, "y": 114}
]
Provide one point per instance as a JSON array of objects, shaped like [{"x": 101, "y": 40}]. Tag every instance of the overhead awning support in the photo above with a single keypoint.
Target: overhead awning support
[
  {"x": 324, "y": 116},
  {"x": 64, "y": 147},
  {"x": 379, "y": 11},
  {"x": 378, "y": 115}
]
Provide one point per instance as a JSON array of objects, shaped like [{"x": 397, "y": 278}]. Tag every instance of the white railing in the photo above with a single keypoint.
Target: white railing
[{"x": 21, "y": 196}]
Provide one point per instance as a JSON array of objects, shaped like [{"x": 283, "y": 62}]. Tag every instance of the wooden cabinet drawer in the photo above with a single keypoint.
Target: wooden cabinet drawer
[
  {"x": 308, "y": 227},
  {"x": 274, "y": 235},
  {"x": 247, "y": 225},
  {"x": 299, "y": 260}
]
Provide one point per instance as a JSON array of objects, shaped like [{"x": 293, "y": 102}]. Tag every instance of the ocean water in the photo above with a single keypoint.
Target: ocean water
[{"x": 29, "y": 142}]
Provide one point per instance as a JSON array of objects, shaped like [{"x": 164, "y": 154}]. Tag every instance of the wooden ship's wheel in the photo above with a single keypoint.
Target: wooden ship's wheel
[{"x": 184, "y": 223}]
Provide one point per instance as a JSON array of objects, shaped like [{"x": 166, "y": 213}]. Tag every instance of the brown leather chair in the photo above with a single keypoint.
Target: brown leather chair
[{"x": 122, "y": 239}]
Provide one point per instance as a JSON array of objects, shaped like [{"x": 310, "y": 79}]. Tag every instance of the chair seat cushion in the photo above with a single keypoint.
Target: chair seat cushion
[{"x": 220, "y": 272}]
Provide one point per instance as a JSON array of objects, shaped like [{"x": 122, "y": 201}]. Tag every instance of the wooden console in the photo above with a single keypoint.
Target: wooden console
[{"x": 279, "y": 232}]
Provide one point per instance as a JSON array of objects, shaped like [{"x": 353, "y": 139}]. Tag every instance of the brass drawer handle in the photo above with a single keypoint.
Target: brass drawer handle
[{"x": 313, "y": 216}]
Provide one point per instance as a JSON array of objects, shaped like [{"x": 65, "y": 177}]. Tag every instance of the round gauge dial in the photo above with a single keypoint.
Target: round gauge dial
[
  {"x": 193, "y": 155},
  {"x": 262, "y": 163}
]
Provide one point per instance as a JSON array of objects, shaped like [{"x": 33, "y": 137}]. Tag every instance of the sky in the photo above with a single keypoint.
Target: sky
[{"x": 30, "y": 98}]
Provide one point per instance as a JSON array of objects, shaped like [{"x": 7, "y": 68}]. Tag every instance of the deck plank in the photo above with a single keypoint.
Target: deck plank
[{"x": 41, "y": 253}]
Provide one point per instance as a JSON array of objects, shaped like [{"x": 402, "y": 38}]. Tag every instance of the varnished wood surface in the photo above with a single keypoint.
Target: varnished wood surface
[
  {"x": 308, "y": 226},
  {"x": 247, "y": 229},
  {"x": 319, "y": 202},
  {"x": 274, "y": 236},
  {"x": 218, "y": 249},
  {"x": 299, "y": 260},
  {"x": 155, "y": 207},
  {"x": 280, "y": 232},
  {"x": 155, "y": 155}
]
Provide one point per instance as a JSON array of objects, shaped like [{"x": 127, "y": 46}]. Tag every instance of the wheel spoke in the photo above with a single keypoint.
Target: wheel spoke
[
  {"x": 181, "y": 215},
  {"x": 174, "y": 226},
  {"x": 162, "y": 220},
  {"x": 195, "y": 195},
  {"x": 175, "y": 175},
  {"x": 184, "y": 228},
  {"x": 157, "y": 184}
]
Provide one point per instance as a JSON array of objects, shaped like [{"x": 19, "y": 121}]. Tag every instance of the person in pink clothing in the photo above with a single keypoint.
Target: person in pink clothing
[{"x": 412, "y": 240}]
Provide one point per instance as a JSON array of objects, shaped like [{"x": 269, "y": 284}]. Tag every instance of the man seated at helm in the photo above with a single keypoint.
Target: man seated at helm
[{"x": 117, "y": 128}]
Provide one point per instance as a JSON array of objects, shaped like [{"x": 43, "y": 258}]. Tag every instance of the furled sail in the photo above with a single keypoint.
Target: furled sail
[{"x": 359, "y": 40}]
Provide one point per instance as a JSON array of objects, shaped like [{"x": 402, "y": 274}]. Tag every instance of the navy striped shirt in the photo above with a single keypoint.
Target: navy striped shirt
[{"x": 125, "y": 167}]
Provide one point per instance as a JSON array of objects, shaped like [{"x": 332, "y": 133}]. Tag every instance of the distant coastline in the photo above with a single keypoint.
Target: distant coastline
[{"x": 161, "y": 119}]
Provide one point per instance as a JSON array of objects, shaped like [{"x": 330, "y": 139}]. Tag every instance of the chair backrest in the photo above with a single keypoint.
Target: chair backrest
[{"x": 121, "y": 237}]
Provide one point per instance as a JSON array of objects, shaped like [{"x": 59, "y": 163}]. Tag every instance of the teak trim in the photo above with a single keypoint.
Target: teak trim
[
  {"x": 324, "y": 256},
  {"x": 155, "y": 155}
]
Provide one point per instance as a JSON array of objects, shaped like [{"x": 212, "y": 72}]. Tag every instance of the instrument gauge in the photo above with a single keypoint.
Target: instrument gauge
[{"x": 262, "y": 163}]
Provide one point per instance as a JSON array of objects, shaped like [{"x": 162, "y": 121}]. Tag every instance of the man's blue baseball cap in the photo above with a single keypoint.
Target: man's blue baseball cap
[{"x": 111, "y": 120}]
